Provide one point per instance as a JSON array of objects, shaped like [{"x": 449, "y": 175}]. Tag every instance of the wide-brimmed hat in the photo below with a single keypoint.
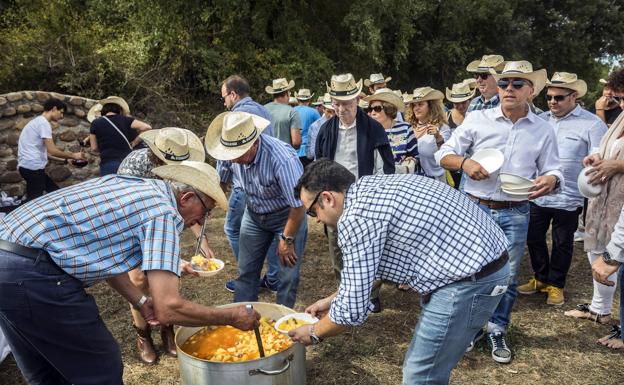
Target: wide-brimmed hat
[
  {"x": 319, "y": 101},
  {"x": 460, "y": 92},
  {"x": 199, "y": 175},
  {"x": 231, "y": 134},
  {"x": 471, "y": 82},
  {"x": 523, "y": 69},
  {"x": 376, "y": 79},
  {"x": 327, "y": 102},
  {"x": 426, "y": 93},
  {"x": 388, "y": 96},
  {"x": 568, "y": 80},
  {"x": 304, "y": 94},
  {"x": 173, "y": 145},
  {"x": 279, "y": 85},
  {"x": 489, "y": 64},
  {"x": 344, "y": 87},
  {"x": 96, "y": 110}
]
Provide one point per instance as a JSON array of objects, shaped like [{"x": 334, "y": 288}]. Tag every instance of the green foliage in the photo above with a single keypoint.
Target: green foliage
[{"x": 167, "y": 58}]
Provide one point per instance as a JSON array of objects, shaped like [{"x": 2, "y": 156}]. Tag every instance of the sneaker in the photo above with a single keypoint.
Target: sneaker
[
  {"x": 579, "y": 236},
  {"x": 531, "y": 287},
  {"x": 500, "y": 352},
  {"x": 475, "y": 339},
  {"x": 266, "y": 284},
  {"x": 229, "y": 286},
  {"x": 555, "y": 295}
]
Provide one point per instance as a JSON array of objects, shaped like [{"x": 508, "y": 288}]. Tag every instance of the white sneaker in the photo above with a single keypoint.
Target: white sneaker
[{"x": 579, "y": 236}]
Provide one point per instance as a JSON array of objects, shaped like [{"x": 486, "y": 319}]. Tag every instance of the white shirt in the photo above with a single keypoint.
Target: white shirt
[
  {"x": 346, "y": 148},
  {"x": 529, "y": 147},
  {"x": 427, "y": 148},
  {"x": 616, "y": 245},
  {"x": 32, "y": 153}
]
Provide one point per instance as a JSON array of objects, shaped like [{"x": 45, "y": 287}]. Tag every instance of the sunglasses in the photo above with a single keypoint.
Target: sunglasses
[
  {"x": 558, "y": 98},
  {"x": 618, "y": 99},
  {"x": 482, "y": 76},
  {"x": 201, "y": 200},
  {"x": 516, "y": 84},
  {"x": 309, "y": 211},
  {"x": 376, "y": 109}
]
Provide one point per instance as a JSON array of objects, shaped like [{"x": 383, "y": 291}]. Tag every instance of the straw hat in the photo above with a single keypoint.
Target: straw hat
[
  {"x": 407, "y": 98},
  {"x": 376, "y": 79},
  {"x": 96, "y": 111},
  {"x": 199, "y": 175},
  {"x": 304, "y": 94},
  {"x": 522, "y": 69},
  {"x": 388, "y": 96},
  {"x": 471, "y": 82},
  {"x": 569, "y": 81},
  {"x": 319, "y": 101},
  {"x": 344, "y": 87},
  {"x": 279, "y": 85},
  {"x": 489, "y": 64},
  {"x": 231, "y": 134},
  {"x": 602, "y": 81},
  {"x": 426, "y": 93},
  {"x": 173, "y": 145},
  {"x": 327, "y": 102},
  {"x": 460, "y": 92},
  {"x": 292, "y": 100}
]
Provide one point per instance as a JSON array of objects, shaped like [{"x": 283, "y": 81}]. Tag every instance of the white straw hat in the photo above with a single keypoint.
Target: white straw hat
[
  {"x": 344, "y": 87},
  {"x": 231, "y": 134},
  {"x": 522, "y": 69},
  {"x": 96, "y": 111},
  {"x": 489, "y": 64},
  {"x": 388, "y": 96},
  {"x": 460, "y": 92},
  {"x": 304, "y": 94},
  {"x": 426, "y": 93},
  {"x": 569, "y": 81},
  {"x": 173, "y": 145},
  {"x": 279, "y": 85},
  {"x": 376, "y": 79}
]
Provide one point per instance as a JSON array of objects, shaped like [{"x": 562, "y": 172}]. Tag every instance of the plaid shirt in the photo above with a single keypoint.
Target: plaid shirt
[
  {"x": 102, "y": 227},
  {"x": 408, "y": 229},
  {"x": 479, "y": 103}
]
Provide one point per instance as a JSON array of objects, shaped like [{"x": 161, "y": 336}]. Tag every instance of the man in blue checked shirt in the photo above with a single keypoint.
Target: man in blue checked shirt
[
  {"x": 269, "y": 170},
  {"x": 53, "y": 247},
  {"x": 409, "y": 230}
]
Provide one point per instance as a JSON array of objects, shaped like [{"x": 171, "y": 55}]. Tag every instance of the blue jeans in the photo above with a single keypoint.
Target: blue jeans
[
  {"x": 257, "y": 232},
  {"x": 515, "y": 224},
  {"x": 621, "y": 278},
  {"x": 236, "y": 208},
  {"x": 53, "y": 326},
  {"x": 446, "y": 326},
  {"x": 109, "y": 167}
]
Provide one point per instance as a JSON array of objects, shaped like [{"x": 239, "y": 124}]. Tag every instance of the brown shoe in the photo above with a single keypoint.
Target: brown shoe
[
  {"x": 168, "y": 340},
  {"x": 147, "y": 352}
]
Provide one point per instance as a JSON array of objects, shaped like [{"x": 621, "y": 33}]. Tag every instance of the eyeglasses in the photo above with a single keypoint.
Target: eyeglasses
[
  {"x": 309, "y": 211},
  {"x": 618, "y": 99},
  {"x": 516, "y": 84},
  {"x": 483, "y": 76},
  {"x": 376, "y": 109},
  {"x": 225, "y": 96},
  {"x": 201, "y": 200},
  {"x": 558, "y": 98}
]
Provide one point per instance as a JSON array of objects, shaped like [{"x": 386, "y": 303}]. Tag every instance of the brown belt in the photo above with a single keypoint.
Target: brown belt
[{"x": 496, "y": 205}]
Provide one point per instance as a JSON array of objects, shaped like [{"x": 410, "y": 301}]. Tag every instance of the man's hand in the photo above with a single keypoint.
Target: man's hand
[
  {"x": 187, "y": 269},
  {"x": 542, "y": 185},
  {"x": 601, "y": 271},
  {"x": 319, "y": 308},
  {"x": 301, "y": 335},
  {"x": 77, "y": 155},
  {"x": 286, "y": 253},
  {"x": 474, "y": 170},
  {"x": 243, "y": 320},
  {"x": 147, "y": 311},
  {"x": 603, "y": 170}
]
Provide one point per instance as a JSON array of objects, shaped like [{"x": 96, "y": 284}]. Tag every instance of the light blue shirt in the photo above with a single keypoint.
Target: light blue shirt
[
  {"x": 312, "y": 135},
  {"x": 529, "y": 147},
  {"x": 307, "y": 116},
  {"x": 577, "y": 134}
]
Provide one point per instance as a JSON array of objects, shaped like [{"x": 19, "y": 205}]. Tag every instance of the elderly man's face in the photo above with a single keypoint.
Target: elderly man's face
[
  {"x": 486, "y": 85},
  {"x": 249, "y": 156},
  {"x": 560, "y": 101},
  {"x": 193, "y": 208},
  {"x": 346, "y": 110},
  {"x": 513, "y": 97}
]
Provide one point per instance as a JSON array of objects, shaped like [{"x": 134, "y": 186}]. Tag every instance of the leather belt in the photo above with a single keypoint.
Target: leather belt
[
  {"x": 490, "y": 268},
  {"x": 496, "y": 205},
  {"x": 28, "y": 252}
]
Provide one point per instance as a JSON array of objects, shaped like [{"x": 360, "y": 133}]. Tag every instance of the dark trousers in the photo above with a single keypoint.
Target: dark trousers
[
  {"x": 37, "y": 182},
  {"x": 554, "y": 268},
  {"x": 53, "y": 326}
]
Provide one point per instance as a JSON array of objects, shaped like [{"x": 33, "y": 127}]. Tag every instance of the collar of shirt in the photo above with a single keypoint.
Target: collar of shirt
[
  {"x": 343, "y": 127},
  {"x": 498, "y": 114},
  {"x": 576, "y": 111},
  {"x": 492, "y": 101}
]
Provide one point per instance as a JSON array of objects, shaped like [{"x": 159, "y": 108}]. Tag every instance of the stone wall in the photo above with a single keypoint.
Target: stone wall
[{"x": 17, "y": 109}]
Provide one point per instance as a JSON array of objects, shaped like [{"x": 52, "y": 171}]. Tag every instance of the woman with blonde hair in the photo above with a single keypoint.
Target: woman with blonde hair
[{"x": 425, "y": 112}]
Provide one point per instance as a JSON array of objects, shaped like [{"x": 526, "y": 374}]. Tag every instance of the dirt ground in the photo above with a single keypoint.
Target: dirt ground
[{"x": 548, "y": 347}]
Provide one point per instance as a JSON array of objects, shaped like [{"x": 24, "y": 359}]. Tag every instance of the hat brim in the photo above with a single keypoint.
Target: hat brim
[
  {"x": 461, "y": 99},
  {"x": 196, "y": 147},
  {"x": 304, "y": 97},
  {"x": 579, "y": 86},
  {"x": 94, "y": 112},
  {"x": 538, "y": 78},
  {"x": 350, "y": 95},
  {"x": 217, "y": 150},
  {"x": 201, "y": 176},
  {"x": 388, "y": 97},
  {"x": 118, "y": 101},
  {"x": 432, "y": 95},
  {"x": 473, "y": 66},
  {"x": 368, "y": 83},
  {"x": 271, "y": 90}
]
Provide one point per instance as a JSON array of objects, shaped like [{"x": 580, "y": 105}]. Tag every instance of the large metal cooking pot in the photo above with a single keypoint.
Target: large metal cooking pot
[{"x": 284, "y": 368}]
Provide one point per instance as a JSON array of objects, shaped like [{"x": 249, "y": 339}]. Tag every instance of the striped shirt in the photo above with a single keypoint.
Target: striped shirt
[
  {"x": 312, "y": 135},
  {"x": 408, "y": 229},
  {"x": 402, "y": 141},
  {"x": 479, "y": 103},
  {"x": 102, "y": 227},
  {"x": 269, "y": 181}
]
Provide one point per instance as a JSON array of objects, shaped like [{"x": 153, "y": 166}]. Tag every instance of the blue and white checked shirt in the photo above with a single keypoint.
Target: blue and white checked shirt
[
  {"x": 269, "y": 181},
  {"x": 408, "y": 229},
  {"x": 479, "y": 103},
  {"x": 102, "y": 227}
]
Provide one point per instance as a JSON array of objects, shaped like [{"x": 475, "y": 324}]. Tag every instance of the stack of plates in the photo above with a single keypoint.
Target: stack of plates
[{"x": 515, "y": 185}]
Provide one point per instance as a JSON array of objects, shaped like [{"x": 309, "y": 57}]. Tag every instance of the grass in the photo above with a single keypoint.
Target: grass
[{"x": 548, "y": 347}]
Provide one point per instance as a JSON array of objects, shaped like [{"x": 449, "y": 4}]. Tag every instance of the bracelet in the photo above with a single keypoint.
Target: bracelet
[
  {"x": 461, "y": 166},
  {"x": 141, "y": 302}
]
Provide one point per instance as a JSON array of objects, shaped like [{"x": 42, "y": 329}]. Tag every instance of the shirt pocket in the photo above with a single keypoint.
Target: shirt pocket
[
  {"x": 572, "y": 147},
  {"x": 269, "y": 188}
]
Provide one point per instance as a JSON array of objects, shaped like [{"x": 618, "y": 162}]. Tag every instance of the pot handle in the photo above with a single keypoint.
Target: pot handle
[{"x": 254, "y": 372}]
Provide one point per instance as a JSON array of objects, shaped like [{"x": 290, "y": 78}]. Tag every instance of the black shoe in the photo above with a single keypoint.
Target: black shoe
[
  {"x": 475, "y": 339},
  {"x": 376, "y": 305},
  {"x": 266, "y": 284}
]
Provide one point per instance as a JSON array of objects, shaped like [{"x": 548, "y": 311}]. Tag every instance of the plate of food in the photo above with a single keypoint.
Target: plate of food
[
  {"x": 293, "y": 321},
  {"x": 206, "y": 267}
]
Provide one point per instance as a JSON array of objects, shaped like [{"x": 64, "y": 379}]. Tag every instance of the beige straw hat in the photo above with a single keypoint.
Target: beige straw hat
[
  {"x": 460, "y": 92},
  {"x": 173, "y": 145},
  {"x": 602, "y": 81},
  {"x": 472, "y": 83},
  {"x": 96, "y": 111},
  {"x": 569, "y": 81},
  {"x": 319, "y": 101},
  {"x": 426, "y": 93},
  {"x": 344, "y": 87},
  {"x": 522, "y": 69},
  {"x": 231, "y": 134},
  {"x": 388, "y": 96},
  {"x": 279, "y": 85},
  {"x": 327, "y": 102},
  {"x": 199, "y": 175},
  {"x": 304, "y": 94},
  {"x": 376, "y": 79},
  {"x": 489, "y": 64}
]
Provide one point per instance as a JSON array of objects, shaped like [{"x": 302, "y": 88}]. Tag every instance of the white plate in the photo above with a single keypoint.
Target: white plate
[
  {"x": 515, "y": 181},
  {"x": 587, "y": 189},
  {"x": 490, "y": 159},
  {"x": 300, "y": 316},
  {"x": 203, "y": 273},
  {"x": 517, "y": 194},
  {"x": 514, "y": 188}
]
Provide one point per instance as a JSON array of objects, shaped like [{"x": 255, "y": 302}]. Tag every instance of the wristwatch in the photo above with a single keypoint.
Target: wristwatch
[
  {"x": 313, "y": 337},
  {"x": 141, "y": 302},
  {"x": 606, "y": 257},
  {"x": 557, "y": 183},
  {"x": 287, "y": 239}
]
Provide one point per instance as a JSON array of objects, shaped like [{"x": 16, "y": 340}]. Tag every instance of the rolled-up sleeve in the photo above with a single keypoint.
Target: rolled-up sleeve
[
  {"x": 616, "y": 245},
  {"x": 459, "y": 142}
]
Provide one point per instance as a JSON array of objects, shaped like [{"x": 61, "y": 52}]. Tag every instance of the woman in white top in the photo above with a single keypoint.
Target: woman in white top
[{"x": 425, "y": 113}]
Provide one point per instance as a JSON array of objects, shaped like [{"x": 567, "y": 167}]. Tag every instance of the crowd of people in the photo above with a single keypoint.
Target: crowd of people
[{"x": 389, "y": 174}]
